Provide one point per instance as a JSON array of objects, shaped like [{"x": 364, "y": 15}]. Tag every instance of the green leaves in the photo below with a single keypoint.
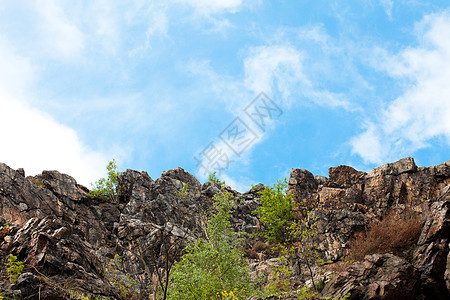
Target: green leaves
[
  {"x": 13, "y": 268},
  {"x": 107, "y": 187},
  {"x": 127, "y": 285},
  {"x": 213, "y": 178},
  {"x": 214, "y": 264},
  {"x": 276, "y": 211}
]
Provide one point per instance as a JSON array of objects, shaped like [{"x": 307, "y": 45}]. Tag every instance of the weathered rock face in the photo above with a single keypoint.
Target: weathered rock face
[
  {"x": 399, "y": 183},
  {"x": 349, "y": 199},
  {"x": 54, "y": 249},
  {"x": 57, "y": 230},
  {"x": 66, "y": 238},
  {"x": 60, "y": 231},
  {"x": 379, "y": 276},
  {"x": 304, "y": 186},
  {"x": 431, "y": 255},
  {"x": 21, "y": 199}
]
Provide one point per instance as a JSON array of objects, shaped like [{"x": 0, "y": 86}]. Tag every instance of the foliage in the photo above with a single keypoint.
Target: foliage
[
  {"x": 13, "y": 268},
  {"x": 395, "y": 233},
  {"x": 275, "y": 211},
  {"x": 215, "y": 264},
  {"x": 303, "y": 234},
  {"x": 279, "y": 281},
  {"x": 4, "y": 230},
  {"x": 224, "y": 295},
  {"x": 170, "y": 253},
  {"x": 10, "y": 297},
  {"x": 299, "y": 247},
  {"x": 184, "y": 194},
  {"x": 294, "y": 238},
  {"x": 107, "y": 187},
  {"x": 37, "y": 182},
  {"x": 213, "y": 178},
  {"x": 127, "y": 286}
]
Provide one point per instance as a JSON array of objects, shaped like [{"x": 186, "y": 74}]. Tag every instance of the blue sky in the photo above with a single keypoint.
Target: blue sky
[{"x": 161, "y": 84}]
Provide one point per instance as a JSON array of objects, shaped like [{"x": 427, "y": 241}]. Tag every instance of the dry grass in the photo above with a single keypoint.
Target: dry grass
[
  {"x": 396, "y": 234},
  {"x": 4, "y": 230},
  {"x": 339, "y": 266}
]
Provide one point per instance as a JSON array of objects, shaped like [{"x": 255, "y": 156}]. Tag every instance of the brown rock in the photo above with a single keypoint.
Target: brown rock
[
  {"x": 432, "y": 252},
  {"x": 303, "y": 186},
  {"x": 378, "y": 277}
]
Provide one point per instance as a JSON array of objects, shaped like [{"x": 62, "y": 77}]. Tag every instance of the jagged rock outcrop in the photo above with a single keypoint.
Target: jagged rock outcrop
[
  {"x": 66, "y": 238},
  {"x": 432, "y": 252},
  {"x": 379, "y": 276},
  {"x": 47, "y": 246},
  {"x": 349, "y": 199}
]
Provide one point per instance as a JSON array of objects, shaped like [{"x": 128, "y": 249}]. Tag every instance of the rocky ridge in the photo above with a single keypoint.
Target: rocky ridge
[{"x": 65, "y": 238}]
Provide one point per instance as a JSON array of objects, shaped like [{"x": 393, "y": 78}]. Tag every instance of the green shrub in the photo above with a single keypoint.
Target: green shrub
[
  {"x": 275, "y": 211},
  {"x": 126, "y": 284},
  {"x": 107, "y": 187},
  {"x": 13, "y": 268},
  {"x": 214, "y": 264},
  {"x": 213, "y": 178}
]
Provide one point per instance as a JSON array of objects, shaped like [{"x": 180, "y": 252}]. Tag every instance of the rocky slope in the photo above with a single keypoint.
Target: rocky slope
[{"x": 67, "y": 239}]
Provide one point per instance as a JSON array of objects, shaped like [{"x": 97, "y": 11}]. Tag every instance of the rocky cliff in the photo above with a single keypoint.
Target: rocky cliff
[{"x": 66, "y": 239}]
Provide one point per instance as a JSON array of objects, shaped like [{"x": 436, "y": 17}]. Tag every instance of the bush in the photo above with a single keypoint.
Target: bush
[
  {"x": 275, "y": 211},
  {"x": 4, "y": 230},
  {"x": 127, "y": 285},
  {"x": 13, "y": 268},
  {"x": 213, "y": 178},
  {"x": 215, "y": 264},
  {"x": 396, "y": 234},
  {"x": 107, "y": 187}
]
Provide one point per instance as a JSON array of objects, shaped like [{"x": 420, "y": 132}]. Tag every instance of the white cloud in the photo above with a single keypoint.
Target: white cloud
[
  {"x": 279, "y": 68},
  {"x": 267, "y": 66},
  {"x": 387, "y": 6},
  {"x": 241, "y": 184},
  {"x": 211, "y": 15},
  {"x": 422, "y": 112},
  {"x": 60, "y": 35},
  {"x": 316, "y": 34},
  {"x": 104, "y": 25},
  {"x": 276, "y": 70},
  {"x": 32, "y": 139},
  {"x": 16, "y": 73},
  {"x": 153, "y": 16},
  {"x": 214, "y": 6},
  {"x": 368, "y": 145}
]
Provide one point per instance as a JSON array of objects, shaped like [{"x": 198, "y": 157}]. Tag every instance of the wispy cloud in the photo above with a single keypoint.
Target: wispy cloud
[
  {"x": 31, "y": 138},
  {"x": 276, "y": 70},
  {"x": 16, "y": 72},
  {"x": 207, "y": 7},
  {"x": 422, "y": 112},
  {"x": 60, "y": 35},
  {"x": 280, "y": 69},
  {"x": 214, "y": 13},
  {"x": 36, "y": 142},
  {"x": 154, "y": 17},
  {"x": 274, "y": 67},
  {"x": 387, "y": 6}
]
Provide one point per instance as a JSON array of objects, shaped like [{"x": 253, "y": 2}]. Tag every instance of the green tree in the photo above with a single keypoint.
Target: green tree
[
  {"x": 107, "y": 187},
  {"x": 213, "y": 178},
  {"x": 215, "y": 264},
  {"x": 275, "y": 211},
  {"x": 294, "y": 238},
  {"x": 126, "y": 284},
  {"x": 303, "y": 247},
  {"x": 13, "y": 268}
]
